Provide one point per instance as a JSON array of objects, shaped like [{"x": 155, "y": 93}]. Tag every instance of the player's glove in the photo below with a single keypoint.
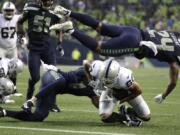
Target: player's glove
[
  {"x": 60, "y": 50},
  {"x": 159, "y": 98},
  {"x": 66, "y": 27},
  {"x": 21, "y": 40},
  {"x": 62, "y": 11}
]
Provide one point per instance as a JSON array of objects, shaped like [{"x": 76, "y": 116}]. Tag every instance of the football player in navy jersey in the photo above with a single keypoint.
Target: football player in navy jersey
[
  {"x": 55, "y": 81},
  {"x": 39, "y": 18},
  {"x": 162, "y": 45}
]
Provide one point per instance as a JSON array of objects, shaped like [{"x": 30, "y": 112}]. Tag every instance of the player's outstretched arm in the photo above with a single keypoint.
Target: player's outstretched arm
[{"x": 173, "y": 74}]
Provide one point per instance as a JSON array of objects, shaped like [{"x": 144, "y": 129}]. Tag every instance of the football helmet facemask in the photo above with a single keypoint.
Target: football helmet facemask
[
  {"x": 8, "y": 10},
  {"x": 47, "y": 4}
]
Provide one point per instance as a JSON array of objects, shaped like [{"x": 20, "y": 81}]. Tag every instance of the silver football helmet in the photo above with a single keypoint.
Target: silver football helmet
[
  {"x": 8, "y": 10},
  {"x": 15, "y": 66},
  {"x": 6, "y": 86},
  {"x": 112, "y": 68},
  {"x": 97, "y": 69}
]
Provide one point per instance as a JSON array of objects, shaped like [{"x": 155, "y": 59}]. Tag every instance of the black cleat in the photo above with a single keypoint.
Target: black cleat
[
  {"x": 27, "y": 106},
  {"x": 2, "y": 112},
  {"x": 122, "y": 110},
  {"x": 55, "y": 108}
]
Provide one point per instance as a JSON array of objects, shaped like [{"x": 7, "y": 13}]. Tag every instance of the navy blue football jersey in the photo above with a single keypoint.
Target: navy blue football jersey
[
  {"x": 167, "y": 44},
  {"x": 39, "y": 20}
]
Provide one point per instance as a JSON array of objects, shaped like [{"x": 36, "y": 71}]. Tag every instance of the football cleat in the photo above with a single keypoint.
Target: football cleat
[
  {"x": 150, "y": 45},
  {"x": 6, "y": 100},
  {"x": 122, "y": 110},
  {"x": 66, "y": 27},
  {"x": 16, "y": 93},
  {"x": 62, "y": 11},
  {"x": 27, "y": 106},
  {"x": 2, "y": 112},
  {"x": 55, "y": 108}
]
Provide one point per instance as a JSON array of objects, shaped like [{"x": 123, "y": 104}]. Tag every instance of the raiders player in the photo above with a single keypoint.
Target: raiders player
[
  {"x": 8, "y": 67},
  {"x": 117, "y": 83},
  {"x": 160, "y": 45},
  {"x": 8, "y": 36}
]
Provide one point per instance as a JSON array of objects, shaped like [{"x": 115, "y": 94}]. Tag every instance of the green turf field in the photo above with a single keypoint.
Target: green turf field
[{"x": 78, "y": 116}]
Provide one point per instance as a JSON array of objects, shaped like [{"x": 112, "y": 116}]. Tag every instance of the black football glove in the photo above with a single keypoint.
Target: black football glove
[{"x": 60, "y": 50}]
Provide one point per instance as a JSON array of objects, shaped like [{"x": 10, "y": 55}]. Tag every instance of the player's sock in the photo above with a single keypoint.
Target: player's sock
[
  {"x": 85, "y": 19},
  {"x": 86, "y": 40},
  {"x": 30, "y": 89}
]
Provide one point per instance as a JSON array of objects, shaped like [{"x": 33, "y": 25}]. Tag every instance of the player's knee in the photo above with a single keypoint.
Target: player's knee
[{"x": 146, "y": 117}]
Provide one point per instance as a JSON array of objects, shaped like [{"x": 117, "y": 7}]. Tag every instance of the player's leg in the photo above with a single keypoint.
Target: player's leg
[
  {"x": 139, "y": 108},
  {"x": 104, "y": 29},
  {"x": 125, "y": 44},
  {"x": 34, "y": 69},
  {"x": 106, "y": 106},
  {"x": 40, "y": 113}
]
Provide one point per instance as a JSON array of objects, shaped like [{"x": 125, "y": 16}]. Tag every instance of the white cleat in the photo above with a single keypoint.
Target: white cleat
[
  {"x": 150, "y": 45},
  {"x": 66, "y": 27},
  {"x": 62, "y": 11},
  {"x": 7, "y": 100}
]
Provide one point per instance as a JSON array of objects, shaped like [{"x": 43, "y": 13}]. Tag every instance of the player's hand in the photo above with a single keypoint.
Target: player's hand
[
  {"x": 159, "y": 98},
  {"x": 60, "y": 50},
  {"x": 21, "y": 40},
  {"x": 66, "y": 27},
  {"x": 62, "y": 11}
]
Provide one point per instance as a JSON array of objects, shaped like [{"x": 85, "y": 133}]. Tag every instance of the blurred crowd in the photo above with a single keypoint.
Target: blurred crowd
[{"x": 145, "y": 14}]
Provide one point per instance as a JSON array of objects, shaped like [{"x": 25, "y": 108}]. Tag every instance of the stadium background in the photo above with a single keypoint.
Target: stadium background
[{"x": 144, "y": 14}]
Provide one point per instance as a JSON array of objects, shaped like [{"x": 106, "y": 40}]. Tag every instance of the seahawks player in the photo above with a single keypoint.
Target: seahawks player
[
  {"x": 39, "y": 18},
  {"x": 8, "y": 67},
  {"x": 54, "y": 81},
  {"x": 162, "y": 45},
  {"x": 8, "y": 36}
]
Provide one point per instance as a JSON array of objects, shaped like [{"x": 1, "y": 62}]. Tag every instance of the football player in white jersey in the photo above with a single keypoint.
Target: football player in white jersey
[
  {"x": 8, "y": 35},
  {"x": 8, "y": 67},
  {"x": 116, "y": 83}
]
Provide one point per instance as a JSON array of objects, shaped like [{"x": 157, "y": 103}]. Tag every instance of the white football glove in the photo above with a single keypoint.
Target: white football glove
[
  {"x": 62, "y": 11},
  {"x": 66, "y": 27},
  {"x": 47, "y": 67},
  {"x": 159, "y": 99}
]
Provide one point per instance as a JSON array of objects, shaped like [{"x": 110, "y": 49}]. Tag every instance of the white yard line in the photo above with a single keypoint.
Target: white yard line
[{"x": 62, "y": 131}]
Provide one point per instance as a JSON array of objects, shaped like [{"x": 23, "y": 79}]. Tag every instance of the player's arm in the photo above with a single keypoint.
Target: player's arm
[
  {"x": 135, "y": 90},
  {"x": 173, "y": 74},
  {"x": 21, "y": 20}
]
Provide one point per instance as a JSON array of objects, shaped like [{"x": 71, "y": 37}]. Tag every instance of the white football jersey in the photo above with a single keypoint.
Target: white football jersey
[
  {"x": 8, "y": 35},
  {"x": 4, "y": 67},
  {"x": 124, "y": 79}
]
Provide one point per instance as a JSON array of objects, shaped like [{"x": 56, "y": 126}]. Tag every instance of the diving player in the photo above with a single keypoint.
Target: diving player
[{"x": 162, "y": 45}]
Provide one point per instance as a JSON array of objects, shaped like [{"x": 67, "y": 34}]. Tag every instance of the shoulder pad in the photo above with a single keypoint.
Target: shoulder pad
[{"x": 30, "y": 7}]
